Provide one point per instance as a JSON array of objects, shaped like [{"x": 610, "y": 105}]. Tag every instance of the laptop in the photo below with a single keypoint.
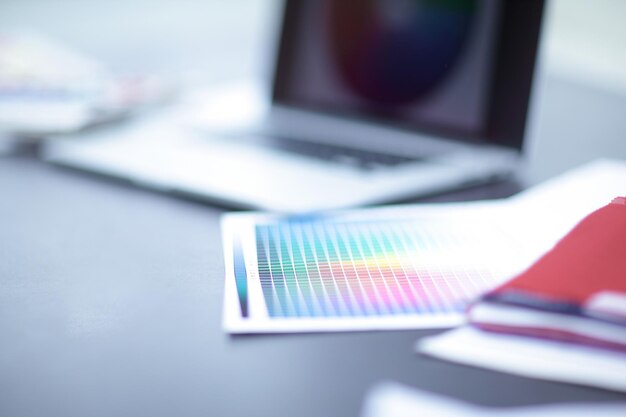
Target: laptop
[{"x": 370, "y": 103}]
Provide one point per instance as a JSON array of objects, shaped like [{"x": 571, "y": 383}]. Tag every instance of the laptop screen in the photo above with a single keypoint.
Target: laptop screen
[{"x": 435, "y": 66}]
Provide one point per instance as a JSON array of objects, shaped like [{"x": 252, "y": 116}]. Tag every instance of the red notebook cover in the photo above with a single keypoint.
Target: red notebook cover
[{"x": 586, "y": 270}]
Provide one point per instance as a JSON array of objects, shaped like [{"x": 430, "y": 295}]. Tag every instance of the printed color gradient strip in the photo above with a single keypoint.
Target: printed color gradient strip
[{"x": 318, "y": 267}]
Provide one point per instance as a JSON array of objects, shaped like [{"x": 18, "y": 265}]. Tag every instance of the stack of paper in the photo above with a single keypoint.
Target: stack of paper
[
  {"x": 564, "y": 318},
  {"x": 415, "y": 267},
  {"x": 576, "y": 292},
  {"x": 530, "y": 357}
]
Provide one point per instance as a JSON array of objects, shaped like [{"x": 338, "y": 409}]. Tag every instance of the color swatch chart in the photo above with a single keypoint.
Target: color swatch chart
[{"x": 323, "y": 267}]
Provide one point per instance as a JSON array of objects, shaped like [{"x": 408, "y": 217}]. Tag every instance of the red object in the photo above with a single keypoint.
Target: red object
[
  {"x": 575, "y": 293},
  {"x": 590, "y": 259}
]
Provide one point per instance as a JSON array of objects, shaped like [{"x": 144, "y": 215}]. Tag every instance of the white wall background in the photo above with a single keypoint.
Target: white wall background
[
  {"x": 580, "y": 103},
  {"x": 586, "y": 41}
]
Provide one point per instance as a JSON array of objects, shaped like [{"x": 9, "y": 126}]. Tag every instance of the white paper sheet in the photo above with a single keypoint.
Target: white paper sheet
[
  {"x": 543, "y": 214},
  {"x": 395, "y": 400},
  {"x": 530, "y": 357},
  {"x": 404, "y": 267}
]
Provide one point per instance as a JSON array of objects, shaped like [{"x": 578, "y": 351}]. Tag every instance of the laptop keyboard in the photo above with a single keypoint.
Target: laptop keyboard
[{"x": 358, "y": 158}]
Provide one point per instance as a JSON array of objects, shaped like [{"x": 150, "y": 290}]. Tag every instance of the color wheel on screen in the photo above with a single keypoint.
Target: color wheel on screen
[
  {"x": 399, "y": 268},
  {"x": 394, "y": 52}
]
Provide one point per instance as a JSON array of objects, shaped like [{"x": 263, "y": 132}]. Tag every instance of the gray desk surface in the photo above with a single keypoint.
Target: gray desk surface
[
  {"x": 110, "y": 296},
  {"x": 110, "y": 305}
]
